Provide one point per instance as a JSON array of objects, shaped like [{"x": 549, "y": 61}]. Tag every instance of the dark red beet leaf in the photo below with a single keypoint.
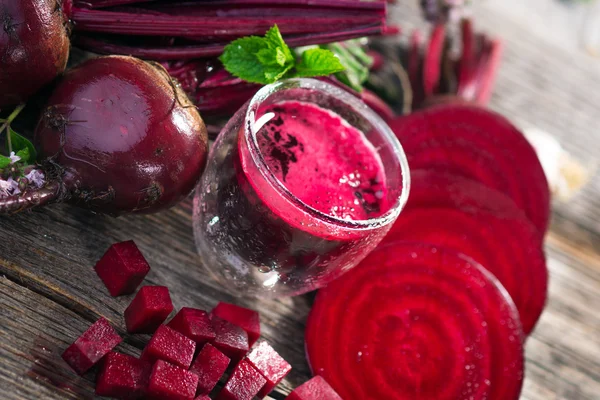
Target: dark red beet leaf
[
  {"x": 416, "y": 321},
  {"x": 455, "y": 212},
  {"x": 480, "y": 145}
]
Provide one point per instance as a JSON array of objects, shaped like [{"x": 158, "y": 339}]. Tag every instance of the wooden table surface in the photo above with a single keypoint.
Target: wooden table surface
[{"x": 49, "y": 292}]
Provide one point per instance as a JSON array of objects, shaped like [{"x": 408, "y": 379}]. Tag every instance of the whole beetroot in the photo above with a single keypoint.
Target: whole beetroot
[
  {"x": 34, "y": 47},
  {"x": 117, "y": 136}
]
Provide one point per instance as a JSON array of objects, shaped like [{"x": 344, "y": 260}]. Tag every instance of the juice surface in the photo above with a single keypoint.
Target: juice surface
[{"x": 323, "y": 161}]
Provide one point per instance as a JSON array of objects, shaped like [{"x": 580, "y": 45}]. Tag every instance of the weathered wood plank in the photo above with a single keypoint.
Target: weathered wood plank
[{"x": 53, "y": 253}]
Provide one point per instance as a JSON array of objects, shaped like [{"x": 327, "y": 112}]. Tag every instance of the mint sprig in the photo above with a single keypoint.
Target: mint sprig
[
  {"x": 268, "y": 59},
  {"x": 21, "y": 151}
]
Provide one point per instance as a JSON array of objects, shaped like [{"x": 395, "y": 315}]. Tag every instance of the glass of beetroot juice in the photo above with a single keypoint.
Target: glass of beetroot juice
[{"x": 301, "y": 184}]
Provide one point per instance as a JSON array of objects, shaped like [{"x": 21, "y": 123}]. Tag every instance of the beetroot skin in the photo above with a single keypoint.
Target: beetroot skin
[
  {"x": 170, "y": 382},
  {"x": 35, "y": 47},
  {"x": 122, "y": 137},
  {"x": 91, "y": 346},
  {"x": 270, "y": 365},
  {"x": 316, "y": 388},
  {"x": 247, "y": 319},
  {"x": 150, "y": 307},
  {"x": 194, "y": 324},
  {"x": 243, "y": 384},
  {"x": 209, "y": 365},
  {"x": 171, "y": 346},
  {"x": 122, "y": 268},
  {"x": 416, "y": 321},
  {"x": 122, "y": 377}
]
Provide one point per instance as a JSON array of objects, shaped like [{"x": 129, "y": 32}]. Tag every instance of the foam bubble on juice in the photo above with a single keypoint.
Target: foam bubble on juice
[{"x": 323, "y": 160}]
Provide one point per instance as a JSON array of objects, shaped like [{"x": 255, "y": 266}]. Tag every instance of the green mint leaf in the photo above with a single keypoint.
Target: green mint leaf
[
  {"x": 24, "y": 154},
  {"x": 258, "y": 59},
  {"x": 4, "y": 162},
  {"x": 275, "y": 40},
  {"x": 20, "y": 143},
  {"x": 318, "y": 62},
  {"x": 271, "y": 57}
]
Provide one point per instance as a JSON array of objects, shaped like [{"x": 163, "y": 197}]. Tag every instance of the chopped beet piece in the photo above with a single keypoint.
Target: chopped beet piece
[
  {"x": 270, "y": 365},
  {"x": 150, "y": 307},
  {"x": 419, "y": 322},
  {"x": 171, "y": 346},
  {"x": 170, "y": 382},
  {"x": 248, "y": 319},
  {"x": 91, "y": 346},
  {"x": 316, "y": 388},
  {"x": 203, "y": 397},
  {"x": 122, "y": 377},
  {"x": 210, "y": 365},
  {"x": 122, "y": 268},
  {"x": 194, "y": 324},
  {"x": 243, "y": 384},
  {"x": 229, "y": 338}
]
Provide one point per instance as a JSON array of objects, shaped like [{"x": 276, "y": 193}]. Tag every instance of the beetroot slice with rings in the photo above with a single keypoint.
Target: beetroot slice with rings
[
  {"x": 480, "y": 145},
  {"x": 414, "y": 321},
  {"x": 455, "y": 212}
]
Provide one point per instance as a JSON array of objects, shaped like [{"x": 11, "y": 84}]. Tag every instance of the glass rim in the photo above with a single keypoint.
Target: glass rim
[{"x": 250, "y": 134}]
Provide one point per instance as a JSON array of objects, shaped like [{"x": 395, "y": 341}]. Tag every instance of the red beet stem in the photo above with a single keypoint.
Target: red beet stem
[
  {"x": 468, "y": 58},
  {"x": 163, "y": 53},
  {"x": 106, "y": 3},
  {"x": 30, "y": 198},
  {"x": 141, "y": 23},
  {"x": 432, "y": 63},
  {"x": 489, "y": 67}
]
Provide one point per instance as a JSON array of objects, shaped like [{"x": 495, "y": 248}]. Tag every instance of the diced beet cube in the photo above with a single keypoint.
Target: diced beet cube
[
  {"x": 150, "y": 307},
  {"x": 229, "y": 338},
  {"x": 171, "y": 346},
  {"x": 91, "y": 346},
  {"x": 170, "y": 382},
  {"x": 204, "y": 397},
  {"x": 122, "y": 377},
  {"x": 247, "y": 319},
  {"x": 243, "y": 384},
  {"x": 270, "y": 365},
  {"x": 210, "y": 364},
  {"x": 316, "y": 388},
  {"x": 194, "y": 324},
  {"x": 122, "y": 268}
]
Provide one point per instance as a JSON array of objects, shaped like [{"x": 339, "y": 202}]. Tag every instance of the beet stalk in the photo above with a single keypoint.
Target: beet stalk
[
  {"x": 34, "y": 47},
  {"x": 118, "y": 136}
]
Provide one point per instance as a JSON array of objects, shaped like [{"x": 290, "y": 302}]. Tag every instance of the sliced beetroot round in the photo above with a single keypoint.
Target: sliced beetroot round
[
  {"x": 480, "y": 145},
  {"x": 452, "y": 211},
  {"x": 416, "y": 321}
]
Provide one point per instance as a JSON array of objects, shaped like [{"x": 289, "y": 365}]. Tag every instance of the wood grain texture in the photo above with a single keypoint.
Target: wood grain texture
[{"x": 50, "y": 293}]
